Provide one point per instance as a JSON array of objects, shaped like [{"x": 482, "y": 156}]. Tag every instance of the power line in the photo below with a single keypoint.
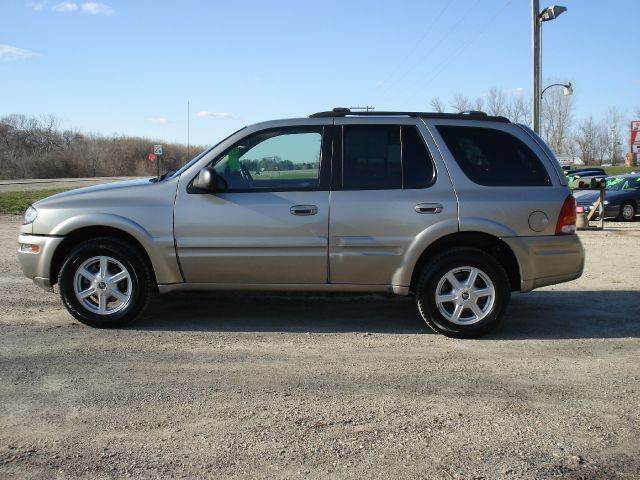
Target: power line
[
  {"x": 443, "y": 65},
  {"x": 441, "y": 40},
  {"x": 416, "y": 43}
]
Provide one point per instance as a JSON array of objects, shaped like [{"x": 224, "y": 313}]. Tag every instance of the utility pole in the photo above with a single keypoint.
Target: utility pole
[
  {"x": 535, "y": 41},
  {"x": 188, "y": 131}
]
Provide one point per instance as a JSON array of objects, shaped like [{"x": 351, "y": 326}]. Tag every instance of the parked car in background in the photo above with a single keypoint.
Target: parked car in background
[
  {"x": 586, "y": 170},
  {"x": 457, "y": 210},
  {"x": 575, "y": 177},
  {"x": 587, "y": 182},
  {"x": 622, "y": 197}
]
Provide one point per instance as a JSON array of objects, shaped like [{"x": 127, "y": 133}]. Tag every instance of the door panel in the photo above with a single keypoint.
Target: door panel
[
  {"x": 269, "y": 223},
  {"x": 371, "y": 230},
  {"x": 252, "y": 237}
]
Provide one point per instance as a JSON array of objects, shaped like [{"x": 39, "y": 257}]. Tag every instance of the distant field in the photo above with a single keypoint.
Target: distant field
[
  {"x": 15, "y": 203},
  {"x": 286, "y": 174},
  {"x": 620, "y": 170}
]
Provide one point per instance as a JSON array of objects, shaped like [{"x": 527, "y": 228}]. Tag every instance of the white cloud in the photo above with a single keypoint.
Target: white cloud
[
  {"x": 37, "y": 6},
  {"x": 92, "y": 8},
  {"x": 516, "y": 92},
  {"x": 159, "y": 120},
  {"x": 205, "y": 114},
  {"x": 65, "y": 6},
  {"x": 97, "y": 8},
  {"x": 9, "y": 51}
]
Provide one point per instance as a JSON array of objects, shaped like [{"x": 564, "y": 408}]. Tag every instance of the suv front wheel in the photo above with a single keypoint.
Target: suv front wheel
[
  {"x": 463, "y": 293},
  {"x": 105, "y": 283}
]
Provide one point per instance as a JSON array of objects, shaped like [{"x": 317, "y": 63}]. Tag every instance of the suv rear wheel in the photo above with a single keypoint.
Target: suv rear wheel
[
  {"x": 463, "y": 293},
  {"x": 105, "y": 283}
]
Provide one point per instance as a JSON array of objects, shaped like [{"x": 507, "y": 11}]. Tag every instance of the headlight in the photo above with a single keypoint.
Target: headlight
[{"x": 30, "y": 215}]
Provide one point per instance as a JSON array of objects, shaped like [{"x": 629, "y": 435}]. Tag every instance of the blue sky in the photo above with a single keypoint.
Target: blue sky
[{"x": 129, "y": 67}]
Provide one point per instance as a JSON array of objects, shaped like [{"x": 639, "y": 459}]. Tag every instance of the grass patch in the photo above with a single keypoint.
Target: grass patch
[
  {"x": 620, "y": 170},
  {"x": 15, "y": 203}
]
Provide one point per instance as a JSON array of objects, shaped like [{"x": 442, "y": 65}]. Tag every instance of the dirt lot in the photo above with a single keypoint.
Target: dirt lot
[{"x": 331, "y": 387}]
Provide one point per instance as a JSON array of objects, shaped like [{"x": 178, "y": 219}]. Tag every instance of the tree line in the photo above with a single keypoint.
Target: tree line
[
  {"x": 594, "y": 140},
  {"x": 36, "y": 147},
  {"x": 276, "y": 163}
]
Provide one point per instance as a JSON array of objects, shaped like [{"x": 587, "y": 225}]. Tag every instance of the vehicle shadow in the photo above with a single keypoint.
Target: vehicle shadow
[{"x": 537, "y": 315}]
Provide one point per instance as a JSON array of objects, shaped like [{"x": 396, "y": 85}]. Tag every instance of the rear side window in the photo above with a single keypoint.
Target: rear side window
[
  {"x": 494, "y": 158},
  {"x": 385, "y": 157}
]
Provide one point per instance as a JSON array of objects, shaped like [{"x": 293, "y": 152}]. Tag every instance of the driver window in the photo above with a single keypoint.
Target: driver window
[{"x": 273, "y": 160}]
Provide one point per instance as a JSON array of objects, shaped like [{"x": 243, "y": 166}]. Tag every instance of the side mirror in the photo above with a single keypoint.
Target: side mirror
[{"x": 209, "y": 181}]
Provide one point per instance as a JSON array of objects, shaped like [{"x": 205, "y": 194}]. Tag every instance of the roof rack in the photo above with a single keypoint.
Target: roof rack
[{"x": 466, "y": 115}]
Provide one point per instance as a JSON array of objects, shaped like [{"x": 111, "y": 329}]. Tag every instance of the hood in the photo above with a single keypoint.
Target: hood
[{"x": 102, "y": 190}]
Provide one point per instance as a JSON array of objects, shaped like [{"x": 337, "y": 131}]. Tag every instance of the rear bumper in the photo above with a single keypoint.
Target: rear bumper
[
  {"x": 37, "y": 266},
  {"x": 547, "y": 260}
]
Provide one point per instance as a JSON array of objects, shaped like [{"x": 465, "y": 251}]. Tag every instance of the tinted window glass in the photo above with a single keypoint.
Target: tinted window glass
[
  {"x": 417, "y": 165},
  {"x": 371, "y": 157},
  {"x": 273, "y": 160},
  {"x": 494, "y": 158}
]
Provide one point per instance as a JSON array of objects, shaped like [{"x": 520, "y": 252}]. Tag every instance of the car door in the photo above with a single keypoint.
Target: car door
[
  {"x": 268, "y": 223},
  {"x": 388, "y": 192}
]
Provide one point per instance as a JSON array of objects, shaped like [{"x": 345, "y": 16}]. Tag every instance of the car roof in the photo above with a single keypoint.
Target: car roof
[{"x": 339, "y": 112}]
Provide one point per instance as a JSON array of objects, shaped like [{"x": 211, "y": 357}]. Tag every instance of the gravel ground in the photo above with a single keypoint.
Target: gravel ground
[{"x": 326, "y": 387}]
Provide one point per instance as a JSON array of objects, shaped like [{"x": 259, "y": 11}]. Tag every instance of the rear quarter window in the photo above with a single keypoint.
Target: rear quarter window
[{"x": 494, "y": 158}]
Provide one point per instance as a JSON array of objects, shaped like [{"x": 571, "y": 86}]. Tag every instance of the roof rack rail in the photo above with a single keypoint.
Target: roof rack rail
[{"x": 468, "y": 114}]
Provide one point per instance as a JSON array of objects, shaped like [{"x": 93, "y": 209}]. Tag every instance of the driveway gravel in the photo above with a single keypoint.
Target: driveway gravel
[{"x": 263, "y": 386}]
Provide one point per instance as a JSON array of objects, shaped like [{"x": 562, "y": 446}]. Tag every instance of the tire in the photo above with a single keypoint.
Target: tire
[
  {"x": 87, "y": 271},
  {"x": 465, "y": 315},
  {"x": 627, "y": 212}
]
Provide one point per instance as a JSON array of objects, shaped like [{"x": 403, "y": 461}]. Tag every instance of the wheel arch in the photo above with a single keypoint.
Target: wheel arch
[
  {"x": 490, "y": 244},
  {"x": 82, "y": 234}
]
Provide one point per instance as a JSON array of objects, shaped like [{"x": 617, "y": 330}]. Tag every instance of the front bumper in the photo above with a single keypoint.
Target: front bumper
[
  {"x": 547, "y": 260},
  {"x": 37, "y": 266}
]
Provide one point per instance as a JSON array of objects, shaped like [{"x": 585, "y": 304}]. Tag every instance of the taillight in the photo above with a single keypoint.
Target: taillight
[
  {"x": 567, "y": 218},
  {"x": 579, "y": 209}
]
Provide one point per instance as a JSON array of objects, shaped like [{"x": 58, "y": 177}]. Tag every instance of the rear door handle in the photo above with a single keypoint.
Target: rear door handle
[
  {"x": 303, "y": 210},
  {"x": 428, "y": 208}
]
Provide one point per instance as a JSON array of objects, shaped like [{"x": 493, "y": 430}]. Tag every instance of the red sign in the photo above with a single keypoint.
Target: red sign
[
  {"x": 635, "y": 136},
  {"x": 152, "y": 157}
]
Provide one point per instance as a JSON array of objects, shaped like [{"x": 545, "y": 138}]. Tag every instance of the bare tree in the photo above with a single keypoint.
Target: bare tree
[
  {"x": 437, "y": 104},
  {"x": 478, "y": 104},
  {"x": 518, "y": 110},
  {"x": 614, "y": 122},
  {"x": 460, "y": 103},
  {"x": 36, "y": 148},
  {"x": 557, "y": 117},
  {"x": 496, "y": 102},
  {"x": 588, "y": 140}
]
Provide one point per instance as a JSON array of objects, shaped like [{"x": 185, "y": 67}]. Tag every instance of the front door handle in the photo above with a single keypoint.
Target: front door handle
[
  {"x": 303, "y": 210},
  {"x": 428, "y": 208}
]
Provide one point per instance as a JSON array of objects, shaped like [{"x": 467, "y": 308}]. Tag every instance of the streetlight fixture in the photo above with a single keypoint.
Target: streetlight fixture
[
  {"x": 568, "y": 88},
  {"x": 549, "y": 13}
]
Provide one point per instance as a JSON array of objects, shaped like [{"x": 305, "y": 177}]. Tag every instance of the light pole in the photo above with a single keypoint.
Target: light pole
[
  {"x": 537, "y": 17},
  {"x": 568, "y": 88}
]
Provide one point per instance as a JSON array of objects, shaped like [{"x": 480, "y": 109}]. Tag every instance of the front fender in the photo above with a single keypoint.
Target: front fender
[{"x": 160, "y": 249}]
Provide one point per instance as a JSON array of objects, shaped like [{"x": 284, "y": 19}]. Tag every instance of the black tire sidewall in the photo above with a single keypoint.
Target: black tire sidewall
[
  {"x": 446, "y": 262},
  {"x": 119, "y": 251},
  {"x": 621, "y": 216}
]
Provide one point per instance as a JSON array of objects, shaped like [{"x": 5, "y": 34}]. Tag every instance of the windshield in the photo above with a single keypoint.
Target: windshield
[
  {"x": 623, "y": 183},
  {"x": 202, "y": 154}
]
